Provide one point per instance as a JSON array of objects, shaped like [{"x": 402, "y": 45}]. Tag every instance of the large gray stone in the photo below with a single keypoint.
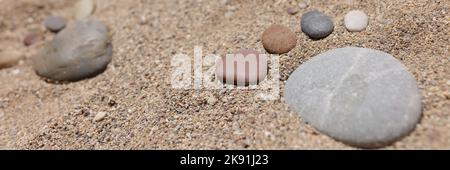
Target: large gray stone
[
  {"x": 316, "y": 24},
  {"x": 80, "y": 51},
  {"x": 362, "y": 97}
]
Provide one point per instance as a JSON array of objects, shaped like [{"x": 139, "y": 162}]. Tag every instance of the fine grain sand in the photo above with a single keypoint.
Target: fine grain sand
[{"x": 144, "y": 112}]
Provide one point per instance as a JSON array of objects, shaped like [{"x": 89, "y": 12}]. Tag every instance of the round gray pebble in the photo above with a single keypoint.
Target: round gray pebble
[
  {"x": 362, "y": 97},
  {"x": 316, "y": 24},
  {"x": 80, "y": 51},
  {"x": 54, "y": 23}
]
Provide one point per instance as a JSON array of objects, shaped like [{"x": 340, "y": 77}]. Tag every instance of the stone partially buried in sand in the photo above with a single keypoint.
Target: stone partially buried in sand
[
  {"x": 32, "y": 38},
  {"x": 80, "y": 51},
  {"x": 278, "y": 39},
  {"x": 9, "y": 58},
  {"x": 316, "y": 24},
  {"x": 243, "y": 68},
  {"x": 362, "y": 97}
]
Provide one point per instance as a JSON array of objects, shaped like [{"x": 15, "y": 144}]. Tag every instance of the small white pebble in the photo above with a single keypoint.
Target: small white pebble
[
  {"x": 143, "y": 20},
  {"x": 356, "y": 21},
  {"x": 99, "y": 116},
  {"x": 84, "y": 9},
  {"x": 302, "y": 5},
  {"x": 15, "y": 71},
  {"x": 448, "y": 82}
]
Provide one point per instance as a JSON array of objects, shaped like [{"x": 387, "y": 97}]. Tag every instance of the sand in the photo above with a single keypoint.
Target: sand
[{"x": 145, "y": 112}]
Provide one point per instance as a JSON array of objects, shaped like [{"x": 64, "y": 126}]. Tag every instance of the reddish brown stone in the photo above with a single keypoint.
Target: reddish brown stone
[
  {"x": 32, "y": 38},
  {"x": 278, "y": 39}
]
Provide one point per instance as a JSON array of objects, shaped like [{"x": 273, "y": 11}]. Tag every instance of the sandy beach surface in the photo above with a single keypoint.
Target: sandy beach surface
[{"x": 145, "y": 112}]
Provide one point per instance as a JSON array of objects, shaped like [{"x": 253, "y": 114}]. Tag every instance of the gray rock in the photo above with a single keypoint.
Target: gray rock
[
  {"x": 54, "y": 23},
  {"x": 362, "y": 97},
  {"x": 316, "y": 24},
  {"x": 80, "y": 51}
]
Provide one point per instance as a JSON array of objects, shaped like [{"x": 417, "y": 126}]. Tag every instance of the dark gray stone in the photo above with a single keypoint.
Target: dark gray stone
[
  {"x": 80, "y": 51},
  {"x": 362, "y": 97},
  {"x": 54, "y": 23},
  {"x": 316, "y": 24}
]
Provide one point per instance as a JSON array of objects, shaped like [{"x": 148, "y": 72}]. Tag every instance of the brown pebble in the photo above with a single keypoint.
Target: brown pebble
[
  {"x": 278, "y": 39},
  {"x": 32, "y": 38},
  {"x": 9, "y": 58}
]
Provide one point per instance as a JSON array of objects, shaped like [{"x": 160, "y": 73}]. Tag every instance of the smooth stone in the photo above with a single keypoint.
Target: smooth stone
[
  {"x": 316, "y": 24},
  {"x": 54, "y": 23},
  {"x": 278, "y": 39},
  {"x": 32, "y": 38},
  {"x": 356, "y": 21},
  {"x": 233, "y": 69},
  {"x": 302, "y": 5},
  {"x": 9, "y": 58},
  {"x": 362, "y": 97},
  {"x": 292, "y": 11},
  {"x": 80, "y": 51},
  {"x": 84, "y": 9},
  {"x": 99, "y": 116}
]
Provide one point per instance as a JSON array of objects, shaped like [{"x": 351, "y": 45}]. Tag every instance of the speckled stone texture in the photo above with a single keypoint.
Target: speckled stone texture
[{"x": 360, "y": 96}]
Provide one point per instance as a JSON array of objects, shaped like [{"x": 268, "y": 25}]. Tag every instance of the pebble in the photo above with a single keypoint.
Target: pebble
[
  {"x": 80, "y": 51},
  {"x": 278, "y": 39},
  {"x": 99, "y": 116},
  {"x": 233, "y": 69},
  {"x": 316, "y": 24},
  {"x": 32, "y": 38},
  {"x": 302, "y": 5},
  {"x": 362, "y": 97},
  {"x": 356, "y": 21},
  {"x": 292, "y": 11},
  {"x": 54, "y": 23},
  {"x": 9, "y": 58},
  {"x": 84, "y": 9}
]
